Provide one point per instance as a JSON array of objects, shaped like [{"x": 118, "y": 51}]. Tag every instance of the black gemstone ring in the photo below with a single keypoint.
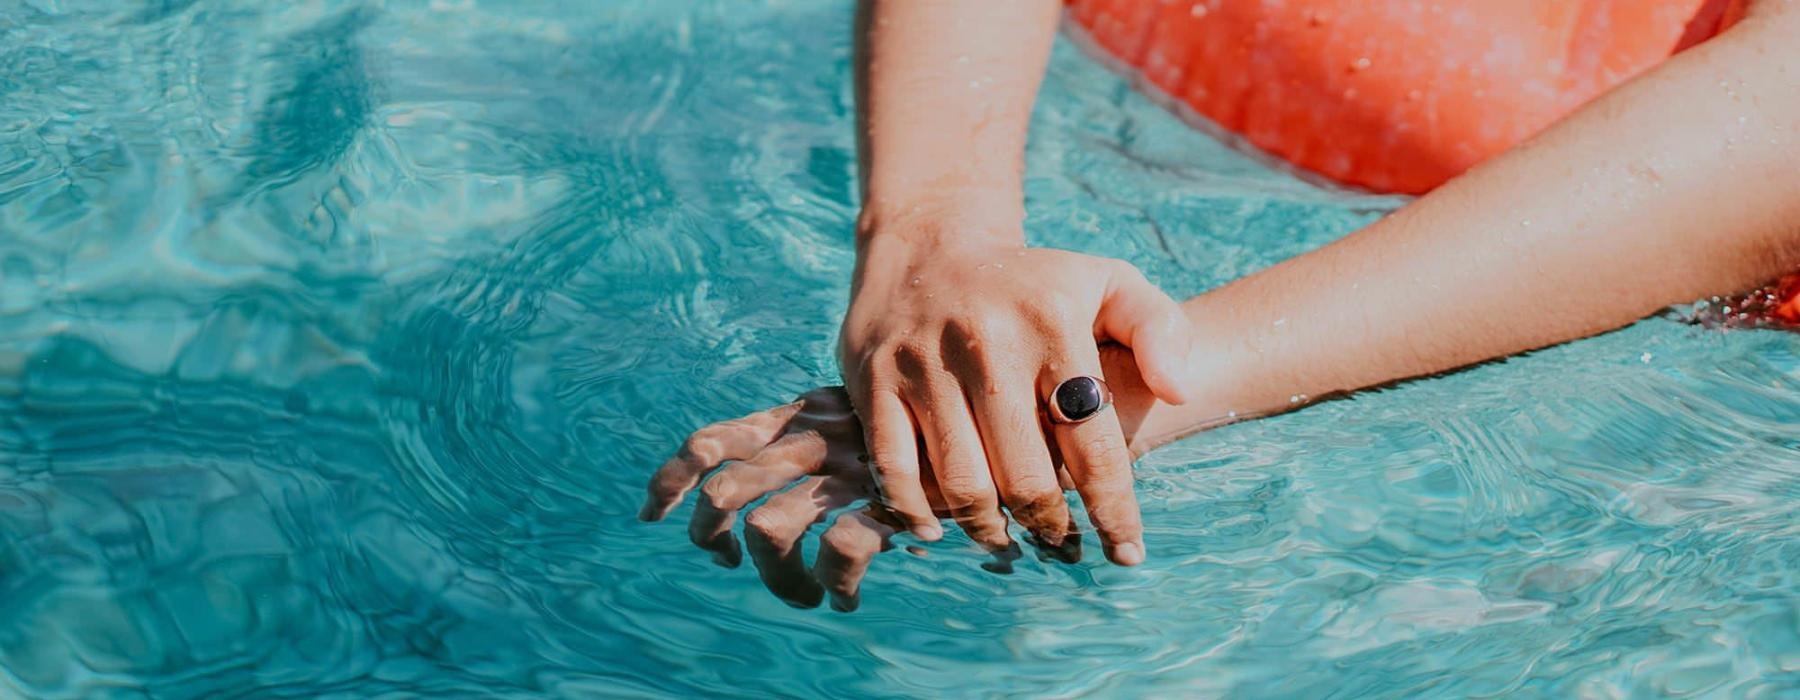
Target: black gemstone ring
[{"x": 1078, "y": 399}]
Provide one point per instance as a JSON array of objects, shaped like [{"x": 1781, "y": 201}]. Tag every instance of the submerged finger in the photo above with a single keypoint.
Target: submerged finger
[
  {"x": 776, "y": 466},
  {"x": 845, "y": 552},
  {"x": 710, "y": 529},
  {"x": 773, "y": 533},
  {"x": 705, "y": 450}
]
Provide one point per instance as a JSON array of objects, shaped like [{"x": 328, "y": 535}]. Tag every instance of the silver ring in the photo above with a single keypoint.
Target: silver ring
[{"x": 1078, "y": 399}]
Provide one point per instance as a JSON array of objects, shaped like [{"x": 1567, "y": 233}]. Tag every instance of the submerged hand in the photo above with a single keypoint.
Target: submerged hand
[
  {"x": 962, "y": 343},
  {"x": 815, "y": 446}
]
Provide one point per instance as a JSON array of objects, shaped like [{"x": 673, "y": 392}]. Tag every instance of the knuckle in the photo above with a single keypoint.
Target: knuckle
[
  {"x": 767, "y": 524},
  {"x": 978, "y": 325},
  {"x": 871, "y": 366},
  {"x": 1050, "y": 317},
  {"x": 702, "y": 445},
  {"x": 1031, "y": 493},
  {"x": 1124, "y": 270},
  {"x": 890, "y": 466},
  {"x": 1105, "y": 454},
  {"x": 719, "y": 494},
  {"x": 848, "y": 542},
  {"x": 667, "y": 484},
  {"x": 963, "y": 491},
  {"x": 911, "y": 359},
  {"x": 966, "y": 325}
]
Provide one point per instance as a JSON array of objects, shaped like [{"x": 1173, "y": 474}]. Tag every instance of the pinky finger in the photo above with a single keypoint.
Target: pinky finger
[
  {"x": 894, "y": 458},
  {"x": 844, "y": 555}
]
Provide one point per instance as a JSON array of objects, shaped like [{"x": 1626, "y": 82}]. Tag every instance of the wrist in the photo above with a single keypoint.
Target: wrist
[
  {"x": 943, "y": 217},
  {"x": 895, "y": 242}
]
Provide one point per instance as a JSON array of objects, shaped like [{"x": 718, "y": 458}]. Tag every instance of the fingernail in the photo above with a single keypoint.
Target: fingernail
[
  {"x": 930, "y": 532},
  {"x": 1128, "y": 554}
]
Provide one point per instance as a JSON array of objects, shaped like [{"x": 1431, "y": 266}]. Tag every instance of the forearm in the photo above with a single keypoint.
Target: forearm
[
  {"x": 1604, "y": 218},
  {"x": 945, "y": 89}
]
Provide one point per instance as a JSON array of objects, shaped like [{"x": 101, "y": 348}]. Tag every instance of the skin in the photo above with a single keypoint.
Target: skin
[
  {"x": 1607, "y": 216},
  {"x": 957, "y": 332}
]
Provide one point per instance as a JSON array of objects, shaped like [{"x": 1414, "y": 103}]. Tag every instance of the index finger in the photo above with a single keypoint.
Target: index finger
[{"x": 706, "y": 449}]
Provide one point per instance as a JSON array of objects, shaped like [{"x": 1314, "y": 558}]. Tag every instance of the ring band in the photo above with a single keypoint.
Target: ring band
[{"x": 1077, "y": 399}]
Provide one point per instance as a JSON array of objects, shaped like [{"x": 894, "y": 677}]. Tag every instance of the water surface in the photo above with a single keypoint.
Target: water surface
[{"x": 338, "y": 338}]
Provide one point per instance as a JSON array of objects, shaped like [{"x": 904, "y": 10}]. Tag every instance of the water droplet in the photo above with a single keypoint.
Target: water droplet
[
  {"x": 1361, "y": 64},
  {"x": 915, "y": 281},
  {"x": 1645, "y": 358},
  {"x": 1198, "y": 10}
]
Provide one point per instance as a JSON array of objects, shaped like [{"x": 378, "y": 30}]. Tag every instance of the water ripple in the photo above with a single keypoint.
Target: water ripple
[{"x": 337, "y": 340}]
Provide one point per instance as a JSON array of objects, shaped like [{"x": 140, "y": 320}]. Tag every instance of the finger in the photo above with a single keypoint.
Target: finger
[
  {"x": 1006, "y": 415},
  {"x": 1137, "y": 314},
  {"x": 778, "y": 465},
  {"x": 957, "y": 459},
  {"x": 844, "y": 554},
  {"x": 894, "y": 458},
  {"x": 1063, "y": 480},
  {"x": 705, "y": 450},
  {"x": 1100, "y": 465},
  {"x": 774, "y": 530}
]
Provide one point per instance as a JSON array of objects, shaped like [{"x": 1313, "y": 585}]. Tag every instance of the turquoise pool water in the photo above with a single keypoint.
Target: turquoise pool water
[{"x": 338, "y": 338}]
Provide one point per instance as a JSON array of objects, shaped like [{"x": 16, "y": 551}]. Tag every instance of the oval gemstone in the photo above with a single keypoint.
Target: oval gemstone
[{"x": 1080, "y": 398}]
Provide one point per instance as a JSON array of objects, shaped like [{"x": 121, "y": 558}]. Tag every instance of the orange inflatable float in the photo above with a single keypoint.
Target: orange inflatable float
[
  {"x": 1392, "y": 95},
  {"x": 1400, "y": 95}
]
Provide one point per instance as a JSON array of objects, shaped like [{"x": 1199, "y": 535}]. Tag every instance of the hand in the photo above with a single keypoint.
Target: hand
[
  {"x": 964, "y": 341},
  {"x": 815, "y": 441},
  {"x": 815, "y": 445}
]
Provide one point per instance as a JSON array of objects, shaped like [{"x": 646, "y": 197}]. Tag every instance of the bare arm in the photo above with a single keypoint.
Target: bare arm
[
  {"x": 1678, "y": 185},
  {"x": 946, "y": 89},
  {"x": 956, "y": 331},
  {"x": 1681, "y": 184}
]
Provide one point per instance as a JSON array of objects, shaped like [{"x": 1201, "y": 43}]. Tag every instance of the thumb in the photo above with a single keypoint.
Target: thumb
[{"x": 1140, "y": 316}]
